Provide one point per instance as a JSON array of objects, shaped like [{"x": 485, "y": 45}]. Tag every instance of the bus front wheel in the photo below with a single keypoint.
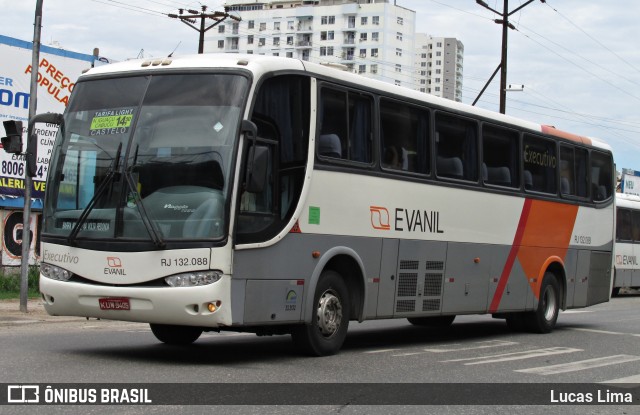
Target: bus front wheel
[
  {"x": 543, "y": 319},
  {"x": 330, "y": 318},
  {"x": 175, "y": 335}
]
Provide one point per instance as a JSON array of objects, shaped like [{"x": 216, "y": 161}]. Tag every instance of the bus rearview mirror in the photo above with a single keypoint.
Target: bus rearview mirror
[{"x": 12, "y": 143}]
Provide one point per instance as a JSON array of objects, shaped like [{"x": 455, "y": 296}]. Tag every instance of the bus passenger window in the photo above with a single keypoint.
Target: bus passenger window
[
  {"x": 567, "y": 179},
  {"x": 624, "y": 225},
  {"x": 404, "y": 132},
  {"x": 540, "y": 163},
  {"x": 345, "y": 125},
  {"x": 601, "y": 176},
  {"x": 500, "y": 156},
  {"x": 456, "y": 147}
]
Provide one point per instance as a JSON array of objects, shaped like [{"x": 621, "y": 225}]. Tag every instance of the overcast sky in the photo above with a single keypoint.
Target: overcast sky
[{"x": 578, "y": 59}]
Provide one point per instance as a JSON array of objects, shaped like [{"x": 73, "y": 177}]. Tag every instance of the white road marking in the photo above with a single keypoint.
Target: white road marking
[
  {"x": 615, "y": 333},
  {"x": 480, "y": 345},
  {"x": 505, "y": 357},
  {"x": 630, "y": 381},
  {"x": 381, "y": 351},
  {"x": 581, "y": 365}
]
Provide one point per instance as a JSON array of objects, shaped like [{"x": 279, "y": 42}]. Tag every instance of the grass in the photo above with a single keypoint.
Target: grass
[{"x": 10, "y": 284}]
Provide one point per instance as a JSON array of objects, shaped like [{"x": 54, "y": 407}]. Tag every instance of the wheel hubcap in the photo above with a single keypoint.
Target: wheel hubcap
[
  {"x": 329, "y": 313},
  {"x": 549, "y": 303}
]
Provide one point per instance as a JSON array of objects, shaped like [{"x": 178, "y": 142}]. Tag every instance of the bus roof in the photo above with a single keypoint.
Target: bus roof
[
  {"x": 628, "y": 201},
  {"x": 260, "y": 64}
]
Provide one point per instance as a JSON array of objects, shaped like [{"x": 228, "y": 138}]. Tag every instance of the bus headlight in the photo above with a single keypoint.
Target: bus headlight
[
  {"x": 54, "y": 272},
  {"x": 193, "y": 279}
]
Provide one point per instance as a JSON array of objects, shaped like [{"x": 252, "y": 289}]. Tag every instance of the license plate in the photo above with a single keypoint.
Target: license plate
[{"x": 114, "y": 304}]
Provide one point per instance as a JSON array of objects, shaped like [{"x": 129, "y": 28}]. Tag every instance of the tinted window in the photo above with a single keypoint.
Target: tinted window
[
  {"x": 345, "y": 126},
  {"x": 456, "y": 147},
  {"x": 404, "y": 132},
  {"x": 624, "y": 225},
  {"x": 500, "y": 156},
  {"x": 601, "y": 176},
  {"x": 540, "y": 161}
]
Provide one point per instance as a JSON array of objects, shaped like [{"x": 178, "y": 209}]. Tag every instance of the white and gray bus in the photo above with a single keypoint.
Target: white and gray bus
[
  {"x": 272, "y": 195},
  {"x": 627, "y": 246}
]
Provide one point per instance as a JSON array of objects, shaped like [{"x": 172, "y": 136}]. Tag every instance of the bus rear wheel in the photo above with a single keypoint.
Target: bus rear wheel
[
  {"x": 175, "y": 335},
  {"x": 329, "y": 321},
  {"x": 544, "y": 318},
  {"x": 435, "y": 321}
]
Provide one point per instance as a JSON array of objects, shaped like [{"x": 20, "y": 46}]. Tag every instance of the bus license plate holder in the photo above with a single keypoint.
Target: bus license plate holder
[{"x": 115, "y": 303}]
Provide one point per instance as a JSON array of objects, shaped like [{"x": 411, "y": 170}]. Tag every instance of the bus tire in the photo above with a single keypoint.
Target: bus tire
[
  {"x": 435, "y": 321},
  {"x": 544, "y": 318},
  {"x": 329, "y": 321},
  {"x": 175, "y": 335}
]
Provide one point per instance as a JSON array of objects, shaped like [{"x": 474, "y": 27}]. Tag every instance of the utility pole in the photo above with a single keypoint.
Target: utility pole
[
  {"x": 26, "y": 212},
  {"x": 504, "y": 21},
  {"x": 190, "y": 20}
]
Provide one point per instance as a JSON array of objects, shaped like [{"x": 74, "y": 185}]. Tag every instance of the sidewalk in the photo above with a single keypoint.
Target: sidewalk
[{"x": 10, "y": 313}]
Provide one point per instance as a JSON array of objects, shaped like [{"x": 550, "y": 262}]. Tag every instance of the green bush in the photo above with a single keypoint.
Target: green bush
[{"x": 10, "y": 284}]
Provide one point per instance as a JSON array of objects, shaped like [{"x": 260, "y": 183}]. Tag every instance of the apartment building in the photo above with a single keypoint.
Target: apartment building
[
  {"x": 374, "y": 38},
  {"x": 438, "y": 66}
]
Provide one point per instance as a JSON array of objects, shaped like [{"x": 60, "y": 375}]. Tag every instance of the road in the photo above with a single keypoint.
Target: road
[{"x": 598, "y": 345}]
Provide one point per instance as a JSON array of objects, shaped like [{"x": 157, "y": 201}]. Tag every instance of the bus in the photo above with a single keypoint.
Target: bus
[
  {"x": 277, "y": 196},
  {"x": 627, "y": 248}
]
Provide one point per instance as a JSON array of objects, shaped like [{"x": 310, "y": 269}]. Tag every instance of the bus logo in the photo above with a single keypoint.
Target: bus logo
[
  {"x": 114, "y": 262},
  {"x": 379, "y": 218}
]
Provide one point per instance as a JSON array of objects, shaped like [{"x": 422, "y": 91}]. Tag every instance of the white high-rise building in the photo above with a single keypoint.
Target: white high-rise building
[
  {"x": 439, "y": 62},
  {"x": 375, "y": 38},
  {"x": 372, "y": 37}
]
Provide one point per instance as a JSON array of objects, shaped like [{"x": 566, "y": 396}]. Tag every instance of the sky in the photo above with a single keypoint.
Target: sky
[{"x": 577, "y": 59}]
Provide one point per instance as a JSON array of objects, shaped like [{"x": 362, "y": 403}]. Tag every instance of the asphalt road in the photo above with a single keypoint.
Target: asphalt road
[{"x": 596, "y": 346}]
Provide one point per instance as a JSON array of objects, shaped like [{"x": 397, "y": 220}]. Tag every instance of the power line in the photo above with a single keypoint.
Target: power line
[{"x": 594, "y": 39}]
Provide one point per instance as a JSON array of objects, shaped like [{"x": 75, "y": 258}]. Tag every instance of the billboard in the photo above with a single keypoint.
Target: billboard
[
  {"x": 57, "y": 73},
  {"x": 630, "y": 183}
]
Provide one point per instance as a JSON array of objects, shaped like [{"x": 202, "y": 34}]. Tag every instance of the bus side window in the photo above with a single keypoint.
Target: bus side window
[
  {"x": 636, "y": 225},
  {"x": 500, "y": 156},
  {"x": 624, "y": 225},
  {"x": 456, "y": 147},
  {"x": 404, "y": 132},
  {"x": 345, "y": 125},
  {"x": 540, "y": 162},
  {"x": 601, "y": 176}
]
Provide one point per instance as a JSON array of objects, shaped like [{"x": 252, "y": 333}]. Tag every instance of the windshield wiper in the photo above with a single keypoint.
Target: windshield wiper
[
  {"x": 104, "y": 184},
  {"x": 152, "y": 229}
]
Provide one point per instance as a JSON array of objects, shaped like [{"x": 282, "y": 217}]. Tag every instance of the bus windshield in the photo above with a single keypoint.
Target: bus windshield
[{"x": 146, "y": 157}]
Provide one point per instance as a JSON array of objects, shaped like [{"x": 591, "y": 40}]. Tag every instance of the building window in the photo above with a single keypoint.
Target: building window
[
  {"x": 439, "y": 63},
  {"x": 363, "y": 37},
  {"x": 276, "y": 25},
  {"x": 398, "y": 68},
  {"x": 263, "y": 26},
  {"x": 374, "y": 68},
  {"x": 398, "y": 52},
  {"x": 375, "y": 20},
  {"x": 439, "y": 44},
  {"x": 250, "y": 39},
  {"x": 221, "y": 44},
  {"x": 400, "y": 21},
  {"x": 375, "y": 36},
  {"x": 362, "y": 69},
  {"x": 221, "y": 28},
  {"x": 438, "y": 53},
  {"x": 374, "y": 52},
  {"x": 399, "y": 36},
  {"x": 363, "y": 53},
  {"x": 290, "y": 40},
  {"x": 289, "y": 54},
  {"x": 423, "y": 56},
  {"x": 364, "y": 20},
  {"x": 276, "y": 41},
  {"x": 261, "y": 41},
  {"x": 251, "y": 24}
]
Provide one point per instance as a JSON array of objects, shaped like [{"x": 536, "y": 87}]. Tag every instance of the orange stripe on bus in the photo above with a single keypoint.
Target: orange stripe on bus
[
  {"x": 548, "y": 129},
  {"x": 547, "y": 234},
  {"x": 542, "y": 237}
]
